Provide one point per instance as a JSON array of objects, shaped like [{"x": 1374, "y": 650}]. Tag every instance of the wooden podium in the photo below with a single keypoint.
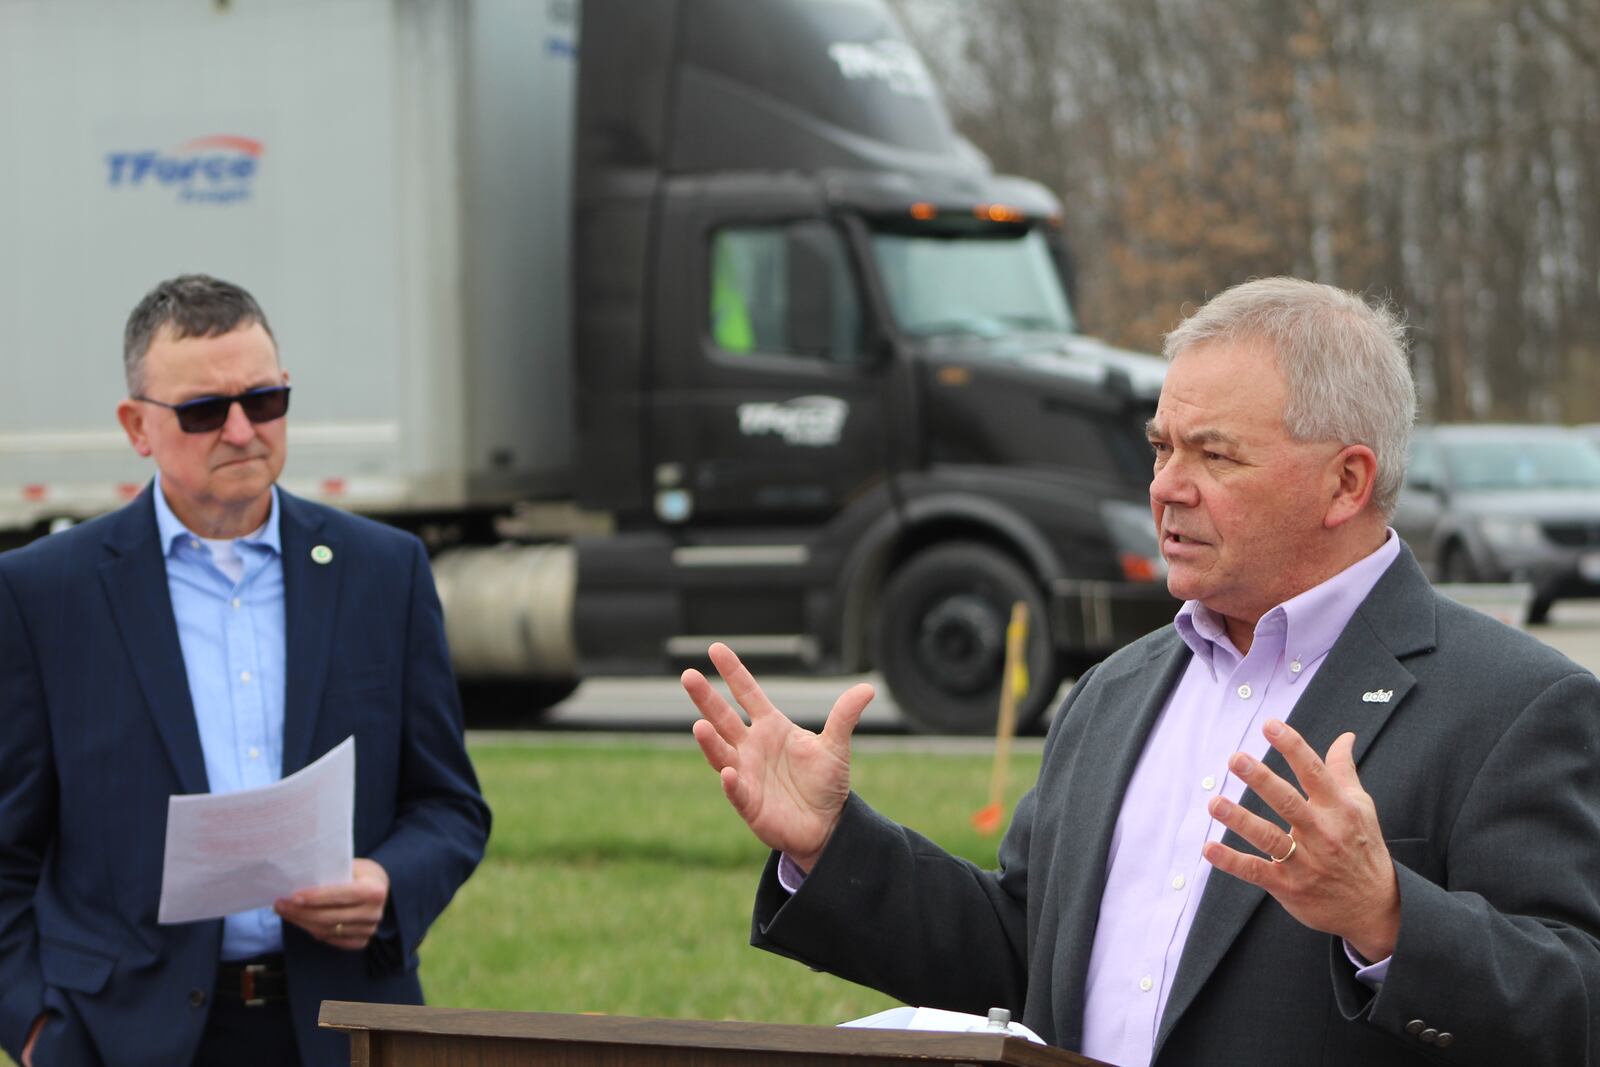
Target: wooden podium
[{"x": 392, "y": 1035}]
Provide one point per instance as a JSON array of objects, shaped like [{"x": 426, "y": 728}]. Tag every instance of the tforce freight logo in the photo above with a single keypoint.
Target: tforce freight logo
[
  {"x": 217, "y": 169},
  {"x": 813, "y": 421},
  {"x": 895, "y": 63}
]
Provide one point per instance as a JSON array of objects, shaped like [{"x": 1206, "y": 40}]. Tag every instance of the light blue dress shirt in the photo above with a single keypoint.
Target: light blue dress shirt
[{"x": 233, "y": 637}]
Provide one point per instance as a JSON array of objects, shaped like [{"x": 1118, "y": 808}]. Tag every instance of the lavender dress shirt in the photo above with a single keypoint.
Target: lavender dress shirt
[{"x": 1155, "y": 874}]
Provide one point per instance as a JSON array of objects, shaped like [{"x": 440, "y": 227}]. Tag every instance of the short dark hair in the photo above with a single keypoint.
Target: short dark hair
[{"x": 190, "y": 305}]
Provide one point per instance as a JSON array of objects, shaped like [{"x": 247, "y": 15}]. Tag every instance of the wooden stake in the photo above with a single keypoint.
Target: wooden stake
[{"x": 1013, "y": 687}]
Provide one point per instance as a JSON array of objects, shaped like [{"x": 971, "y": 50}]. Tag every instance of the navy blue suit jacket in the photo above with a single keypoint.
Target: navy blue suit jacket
[{"x": 97, "y": 731}]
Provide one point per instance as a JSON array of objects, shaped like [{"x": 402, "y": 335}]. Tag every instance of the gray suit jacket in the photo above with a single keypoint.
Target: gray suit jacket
[{"x": 1485, "y": 769}]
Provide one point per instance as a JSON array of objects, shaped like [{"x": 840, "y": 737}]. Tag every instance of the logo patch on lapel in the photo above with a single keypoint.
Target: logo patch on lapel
[
  {"x": 1377, "y": 696},
  {"x": 322, "y": 554}
]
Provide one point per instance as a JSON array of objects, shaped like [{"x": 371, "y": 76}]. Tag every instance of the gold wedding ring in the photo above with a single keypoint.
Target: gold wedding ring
[
  {"x": 338, "y": 928},
  {"x": 1292, "y": 846}
]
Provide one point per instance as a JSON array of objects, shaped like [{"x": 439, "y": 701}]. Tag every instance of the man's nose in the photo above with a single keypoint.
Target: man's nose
[
  {"x": 1171, "y": 483},
  {"x": 238, "y": 429}
]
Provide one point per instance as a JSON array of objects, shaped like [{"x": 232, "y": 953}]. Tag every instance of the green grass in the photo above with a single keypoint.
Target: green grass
[{"x": 619, "y": 880}]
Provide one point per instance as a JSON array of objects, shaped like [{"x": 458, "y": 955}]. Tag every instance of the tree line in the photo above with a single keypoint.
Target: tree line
[{"x": 1442, "y": 153}]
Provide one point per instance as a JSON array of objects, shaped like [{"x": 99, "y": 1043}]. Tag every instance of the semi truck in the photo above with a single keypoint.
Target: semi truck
[{"x": 660, "y": 321}]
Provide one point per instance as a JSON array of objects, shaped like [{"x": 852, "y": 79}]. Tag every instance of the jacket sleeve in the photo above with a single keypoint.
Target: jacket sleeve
[
  {"x": 441, "y": 821},
  {"x": 887, "y": 908},
  {"x": 1503, "y": 952},
  {"x": 27, "y": 823}
]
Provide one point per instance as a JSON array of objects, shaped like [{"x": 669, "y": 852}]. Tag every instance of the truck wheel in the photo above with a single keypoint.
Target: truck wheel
[
  {"x": 510, "y": 703},
  {"x": 942, "y": 639}
]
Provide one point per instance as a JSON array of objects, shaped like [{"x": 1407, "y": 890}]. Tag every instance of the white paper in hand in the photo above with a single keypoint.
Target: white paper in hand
[{"x": 237, "y": 851}]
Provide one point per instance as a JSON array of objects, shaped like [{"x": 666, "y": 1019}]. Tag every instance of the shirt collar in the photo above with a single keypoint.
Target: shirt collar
[
  {"x": 1311, "y": 622},
  {"x": 172, "y": 529}
]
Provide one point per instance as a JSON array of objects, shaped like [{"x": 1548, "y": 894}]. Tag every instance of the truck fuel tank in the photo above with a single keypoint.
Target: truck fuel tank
[{"x": 508, "y": 610}]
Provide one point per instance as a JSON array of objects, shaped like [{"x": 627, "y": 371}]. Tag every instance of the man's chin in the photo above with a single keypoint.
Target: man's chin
[
  {"x": 1184, "y": 584},
  {"x": 241, "y": 486}
]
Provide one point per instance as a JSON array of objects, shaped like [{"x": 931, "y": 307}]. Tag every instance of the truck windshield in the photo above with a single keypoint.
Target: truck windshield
[{"x": 984, "y": 285}]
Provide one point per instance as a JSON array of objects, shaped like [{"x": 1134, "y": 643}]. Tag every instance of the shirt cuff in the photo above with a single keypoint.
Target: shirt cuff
[
  {"x": 791, "y": 877},
  {"x": 1368, "y": 974}
]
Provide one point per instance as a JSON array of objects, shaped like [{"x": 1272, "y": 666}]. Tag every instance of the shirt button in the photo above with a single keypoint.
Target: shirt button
[
  {"x": 1295, "y": 667},
  {"x": 193, "y": 543},
  {"x": 1145, "y": 984},
  {"x": 1244, "y": 692},
  {"x": 236, "y": 603},
  {"x": 255, "y": 753},
  {"x": 1208, "y": 783},
  {"x": 244, "y": 676},
  {"x": 1177, "y": 883}
]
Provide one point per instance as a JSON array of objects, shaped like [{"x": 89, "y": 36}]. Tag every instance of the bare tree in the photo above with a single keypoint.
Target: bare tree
[{"x": 1445, "y": 153}]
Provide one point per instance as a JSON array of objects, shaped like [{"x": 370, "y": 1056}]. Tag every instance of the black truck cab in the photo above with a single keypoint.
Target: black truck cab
[{"x": 830, "y": 381}]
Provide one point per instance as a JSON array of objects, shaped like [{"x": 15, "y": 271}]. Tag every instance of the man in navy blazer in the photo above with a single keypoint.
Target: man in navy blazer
[{"x": 214, "y": 634}]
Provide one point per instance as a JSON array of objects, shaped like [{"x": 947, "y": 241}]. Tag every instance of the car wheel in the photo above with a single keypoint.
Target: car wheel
[
  {"x": 941, "y": 639},
  {"x": 1457, "y": 565}
]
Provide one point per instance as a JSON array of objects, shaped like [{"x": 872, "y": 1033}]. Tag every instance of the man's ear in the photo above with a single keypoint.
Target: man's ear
[
  {"x": 1353, "y": 474},
  {"x": 131, "y": 415}
]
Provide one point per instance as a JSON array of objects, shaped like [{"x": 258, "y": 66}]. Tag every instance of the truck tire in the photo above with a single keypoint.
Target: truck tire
[
  {"x": 941, "y": 640},
  {"x": 510, "y": 703}
]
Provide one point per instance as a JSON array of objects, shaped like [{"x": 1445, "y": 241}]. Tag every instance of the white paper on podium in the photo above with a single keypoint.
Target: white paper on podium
[
  {"x": 909, "y": 1018},
  {"x": 232, "y": 852}
]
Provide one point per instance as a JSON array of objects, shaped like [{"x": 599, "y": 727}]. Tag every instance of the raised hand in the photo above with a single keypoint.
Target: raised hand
[
  {"x": 1335, "y": 873},
  {"x": 787, "y": 783}
]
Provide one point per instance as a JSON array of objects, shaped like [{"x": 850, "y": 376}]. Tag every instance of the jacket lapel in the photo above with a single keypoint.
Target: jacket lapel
[
  {"x": 310, "y": 595},
  {"x": 1112, "y": 743},
  {"x": 1347, "y": 695},
  {"x": 135, "y": 580}
]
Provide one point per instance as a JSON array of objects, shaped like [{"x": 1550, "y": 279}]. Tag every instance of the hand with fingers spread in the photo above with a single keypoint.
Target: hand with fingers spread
[
  {"x": 346, "y": 915},
  {"x": 787, "y": 783},
  {"x": 1331, "y": 871}
]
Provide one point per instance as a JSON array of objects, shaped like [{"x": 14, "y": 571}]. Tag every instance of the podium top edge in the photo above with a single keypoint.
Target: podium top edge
[{"x": 911, "y": 1045}]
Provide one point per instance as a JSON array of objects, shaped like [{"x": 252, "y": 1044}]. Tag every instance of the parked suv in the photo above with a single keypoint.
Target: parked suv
[{"x": 1506, "y": 503}]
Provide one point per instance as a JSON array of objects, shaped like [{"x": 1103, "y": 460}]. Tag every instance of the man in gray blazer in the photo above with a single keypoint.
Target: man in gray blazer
[{"x": 1327, "y": 816}]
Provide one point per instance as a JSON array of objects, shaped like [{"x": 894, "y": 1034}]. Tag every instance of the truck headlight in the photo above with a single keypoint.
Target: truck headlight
[
  {"x": 1506, "y": 532},
  {"x": 1133, "y": 535}
]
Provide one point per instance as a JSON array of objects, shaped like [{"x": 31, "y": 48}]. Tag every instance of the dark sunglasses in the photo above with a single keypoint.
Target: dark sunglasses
[{"x": 207, "y": 413}]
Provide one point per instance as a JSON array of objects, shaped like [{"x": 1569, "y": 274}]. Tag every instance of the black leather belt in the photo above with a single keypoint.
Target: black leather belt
[{"x": 254, "y": 982}]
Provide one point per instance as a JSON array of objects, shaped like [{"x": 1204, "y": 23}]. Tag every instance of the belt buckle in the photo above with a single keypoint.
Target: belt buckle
[{"x": 247, "y": 984}]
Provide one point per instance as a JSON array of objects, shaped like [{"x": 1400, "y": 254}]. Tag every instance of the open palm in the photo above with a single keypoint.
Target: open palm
[{"x": 787, "y": 783}]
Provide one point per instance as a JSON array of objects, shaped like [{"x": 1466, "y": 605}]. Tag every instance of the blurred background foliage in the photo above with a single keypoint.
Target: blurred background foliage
[{"x": 1444, "y": 153}]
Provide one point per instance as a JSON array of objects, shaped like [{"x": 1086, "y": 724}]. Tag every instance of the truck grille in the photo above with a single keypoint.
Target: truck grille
[{"x": 1573, "y": 534}]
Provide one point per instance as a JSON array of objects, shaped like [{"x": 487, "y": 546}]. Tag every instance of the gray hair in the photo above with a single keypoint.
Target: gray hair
[
  {"x": 191, "y": 305},
  {"x": 1343, "y": 361}
]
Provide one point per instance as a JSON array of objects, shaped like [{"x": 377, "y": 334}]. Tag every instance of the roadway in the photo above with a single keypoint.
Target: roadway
[{"x": 658, "y": 706}]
